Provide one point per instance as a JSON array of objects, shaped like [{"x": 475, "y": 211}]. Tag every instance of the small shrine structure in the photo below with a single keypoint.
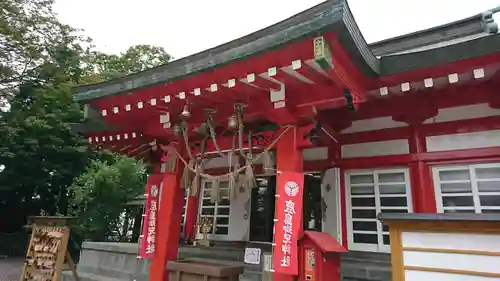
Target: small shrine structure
[{"x": 406, "y": 125}]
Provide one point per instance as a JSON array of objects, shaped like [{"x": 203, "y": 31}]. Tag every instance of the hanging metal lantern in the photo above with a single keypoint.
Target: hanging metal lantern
[
  {"x": 232, "y": 122},
  {"x": 185, "y": 114}
]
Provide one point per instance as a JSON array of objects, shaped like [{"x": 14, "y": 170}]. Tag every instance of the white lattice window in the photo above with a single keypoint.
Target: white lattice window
[
  {"x": 468, "y": 188},
  {"x": 368, "y": 194},
  {"x": 218, "y": 212}
]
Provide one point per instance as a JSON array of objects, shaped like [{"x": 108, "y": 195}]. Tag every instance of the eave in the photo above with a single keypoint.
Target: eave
[
  {"x": 323, "y": 17},
  {"x": 127, "y": 109},
  {"x": 329, "y": 16},
  {"x": 447, "y": 34}
]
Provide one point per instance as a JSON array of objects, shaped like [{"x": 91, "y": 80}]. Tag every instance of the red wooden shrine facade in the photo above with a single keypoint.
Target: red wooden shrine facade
[{"x": 416, "y": 131}]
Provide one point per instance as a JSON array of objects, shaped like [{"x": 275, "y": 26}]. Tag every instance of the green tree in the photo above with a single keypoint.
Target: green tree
[
  {"x": 40, "y": 153},
  {"x": 100, "y": 194},
  {"x": 101, "y": 66},
  {"x": 29, "y": 31}
]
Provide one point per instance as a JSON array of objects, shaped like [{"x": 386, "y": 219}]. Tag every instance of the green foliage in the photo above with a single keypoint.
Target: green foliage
[
  {"x": 40, "y": 153},
  {"x": 101, "y": 192},
  {"x": 29, "y": 35},
  {"x": 134, "y": 59}
]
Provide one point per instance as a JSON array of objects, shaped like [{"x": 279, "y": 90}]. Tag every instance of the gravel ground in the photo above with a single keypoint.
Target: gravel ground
[{"x": 10, "y": 269}]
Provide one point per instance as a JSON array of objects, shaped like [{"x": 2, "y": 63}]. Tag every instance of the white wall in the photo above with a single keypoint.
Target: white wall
[
  {"x": 463, "y": 113},
  {"x": 425, "y": 253},
  {"x": 463, "y": 141},
  {"x": 458, "y": 141},
  {"x": 379, "y": 148},
  {"x": 239, "y": 217},
  {"x": 330, "y": 191}
]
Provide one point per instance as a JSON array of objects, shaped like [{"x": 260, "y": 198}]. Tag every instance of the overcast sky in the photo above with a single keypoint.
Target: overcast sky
[{"x": 185, "y": 27}]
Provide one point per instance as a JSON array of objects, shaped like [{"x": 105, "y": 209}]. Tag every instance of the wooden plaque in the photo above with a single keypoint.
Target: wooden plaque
[{"x": 46, "y": 253}]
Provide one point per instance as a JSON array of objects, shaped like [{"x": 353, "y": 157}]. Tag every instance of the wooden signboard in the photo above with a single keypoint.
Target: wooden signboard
[{"x": 46, "y": 254}]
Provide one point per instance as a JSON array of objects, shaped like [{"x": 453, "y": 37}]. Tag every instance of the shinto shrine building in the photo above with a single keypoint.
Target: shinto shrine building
[{"x": 408, "y": 124}]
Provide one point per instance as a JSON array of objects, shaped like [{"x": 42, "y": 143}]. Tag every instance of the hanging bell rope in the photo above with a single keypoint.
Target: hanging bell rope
[
  {"x": 267, "y": 160},
  {"x": 249, "y": 173},
  {"x": 254, "y": 159},
  {"x": 232, "y": 186},
  {"x": 215, "y": 194},
  {"x": 211, "y": 131},
  {"x": 195, "y": 184},
  {"x": 198, "y": 167},
  {"x": 240, "y": 183},
  {"x": 240, "y": 133},
  {"x": 232, "y": 181},
  {"x": 187, "y": 175},
  {"x": 171, "y": 163},
  {"x": 184, "y": 131}
]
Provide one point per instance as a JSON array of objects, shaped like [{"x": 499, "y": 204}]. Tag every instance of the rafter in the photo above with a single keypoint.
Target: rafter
[{"x": 336, "y": 69}]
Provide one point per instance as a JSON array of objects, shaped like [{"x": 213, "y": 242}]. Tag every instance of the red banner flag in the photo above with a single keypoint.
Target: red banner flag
[
  {"x": 148, "y": 237},
  {"x": 289, "y": 189}
]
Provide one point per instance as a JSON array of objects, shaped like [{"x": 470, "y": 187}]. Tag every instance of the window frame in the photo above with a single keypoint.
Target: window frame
[
  {"x": 184, "y": 211},
  {"x": 380, "y": 246},
  {"x": 213, "y": 236},
  {"x": 471, "y": 168}
]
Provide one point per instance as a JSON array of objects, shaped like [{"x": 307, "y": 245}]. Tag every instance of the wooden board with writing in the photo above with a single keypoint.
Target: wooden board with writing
[{"x": 46, "y": 253}]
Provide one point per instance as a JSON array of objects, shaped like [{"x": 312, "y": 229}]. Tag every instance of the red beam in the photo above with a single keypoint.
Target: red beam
[{"x": 443, "y": 128}]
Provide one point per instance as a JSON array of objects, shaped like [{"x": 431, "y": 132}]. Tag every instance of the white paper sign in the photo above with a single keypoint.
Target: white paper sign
[{"x": 252, "y": 255}]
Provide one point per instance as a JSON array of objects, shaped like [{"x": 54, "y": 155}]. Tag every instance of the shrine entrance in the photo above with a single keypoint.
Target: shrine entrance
[
  {"x": 243, "y": 128},
  {"x": 263, "y": 206}
]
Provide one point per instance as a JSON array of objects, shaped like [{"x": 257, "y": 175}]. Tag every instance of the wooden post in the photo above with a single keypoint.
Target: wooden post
[
  {"x": 289, "y": 158},
  {"x": 169, "y": 223}
]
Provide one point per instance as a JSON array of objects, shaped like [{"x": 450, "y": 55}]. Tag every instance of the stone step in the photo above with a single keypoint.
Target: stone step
[
  {"x": 251, "y": 272},
  {"x": 229, "y": 254},
  {"x": 68, "y": 276}
]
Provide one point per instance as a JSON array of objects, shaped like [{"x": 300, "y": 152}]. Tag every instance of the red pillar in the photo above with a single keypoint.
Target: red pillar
[
  {"x": 422, "y": 186},
  {"x": 289, "y": 158},
  {"x": 169, "y": 224}
]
